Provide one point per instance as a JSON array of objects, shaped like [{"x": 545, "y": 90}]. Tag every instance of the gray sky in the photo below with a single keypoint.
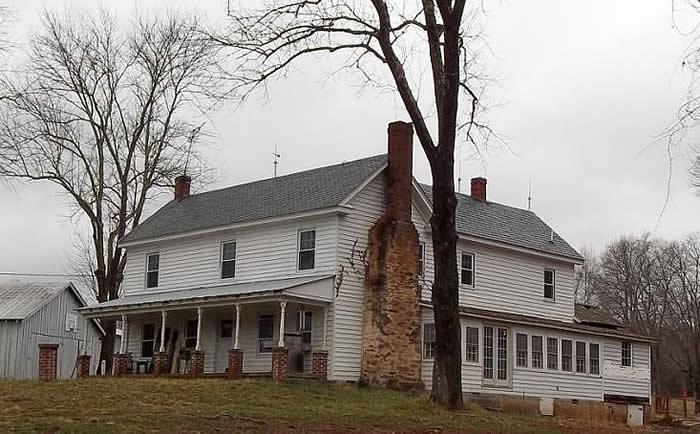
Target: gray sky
[{"x": 583, "y": 88}]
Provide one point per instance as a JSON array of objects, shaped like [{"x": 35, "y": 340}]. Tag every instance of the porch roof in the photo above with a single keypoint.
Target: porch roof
[{"x": 307, "y": 287}]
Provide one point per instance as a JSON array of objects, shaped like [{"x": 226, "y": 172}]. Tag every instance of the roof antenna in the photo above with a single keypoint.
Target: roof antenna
[
  {"x": 529, "y": 197},
  {"x": 459, "y": 171},
  {"x": 191, "y": 138},
  {"x": 275, "y": 163}
]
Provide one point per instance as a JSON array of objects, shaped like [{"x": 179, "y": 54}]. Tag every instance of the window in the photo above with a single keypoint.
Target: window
[
  {"x": 537, "y": 352},
  {"x": 228, "y": 260},
  {"x": 472, "y": 350},
  {"x": 266, "y": 328},
  {"x": 488, "y": 353},
  {"x": 304, "y": 322},
  {"x": 467, "y": 269},
  {"x": 521, "y": 350},
  {"x": 307, "y": 249},
  {"x": 191, "y": 334},
  {"x": 566, "y": 355},
  {"x": 626, "y": 353},
  {"x": 226, "y": 328},
  {"x": 593, "y": 359},
  {"x": 428, "y": 341},
  {"x": 152, "y": 267},
  {"x": 552, "y": 356},
  {"x": 421, "y": 260},
  {"x": 549, "y": 284},
  {"x": 502, "y": 355},
  {"x": 581, "y": 357},
  {"x": 148, "y": 340}
]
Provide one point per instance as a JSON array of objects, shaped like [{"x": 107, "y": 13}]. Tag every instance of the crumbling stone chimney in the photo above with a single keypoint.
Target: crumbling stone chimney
[
  {"x": 182, "y": 187},
  {"x": 391, "y": 354}
]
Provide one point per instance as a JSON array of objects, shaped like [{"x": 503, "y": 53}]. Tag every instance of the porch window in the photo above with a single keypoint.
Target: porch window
[
  {"x": 521, "y": 350},
  {"x": 626, "y": 353},
  {"x": 552, "y": 353},
  {"x": 428, "y": 341},
  {"x": 304, "y": 323},
  {"x": 467, "y": 269},
  {"x": 226, "y": 328},
  {"x": 581, "y": 357},
  {"x": 191, "y": 334},
  {"x": 148, "y": 340},
  {"x": 472, "y": 350},
  {"x": 152, "y": 268},
  {"x": 228, "y": 260},
  {"x": 566, "y": 355},
  {"x": 421, "y": 260},
  {"x": 549, "y": 284},
  {"x": 307, "y": 249},
  {"x": 537, "y": 352},
  {"x": 594, "y": 359},
  {"x": 266, "y": 327}
]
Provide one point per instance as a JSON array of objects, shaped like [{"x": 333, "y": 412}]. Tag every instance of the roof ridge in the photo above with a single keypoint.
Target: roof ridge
[{"x": 465, "y": 195}]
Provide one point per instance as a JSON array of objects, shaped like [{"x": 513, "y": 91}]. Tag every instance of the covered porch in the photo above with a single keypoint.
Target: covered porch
[{"x": 277, "y": 332}]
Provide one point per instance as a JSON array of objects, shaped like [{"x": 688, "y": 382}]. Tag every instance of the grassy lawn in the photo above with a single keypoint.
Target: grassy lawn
[{"x": 215, "y": 405}]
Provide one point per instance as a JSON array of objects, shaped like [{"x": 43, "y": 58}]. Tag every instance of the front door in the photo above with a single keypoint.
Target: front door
[{"x": 496, "y": 359}]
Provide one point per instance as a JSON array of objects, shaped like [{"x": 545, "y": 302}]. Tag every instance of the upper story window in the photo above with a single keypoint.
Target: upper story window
[
  {"x": 152, "y": 268},
  {"x": 472, "y": 353},
  {"x": 521, "y": 350},
  {"x": 549, "y": 284},
  {"x": 421, "y": 259},
  {"x": 537, "y": 352},
  {"x": 228, "y": 260},
  {"x": 428, "y": 341},
  {"x": 626, "y": 353},
  {"x": 467, "y": 269},
  {"x": 307, "y": 249}
]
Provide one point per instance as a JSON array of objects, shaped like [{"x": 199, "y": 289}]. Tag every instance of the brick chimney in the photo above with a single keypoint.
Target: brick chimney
[
  {"x": 391, "y": 353},
  {"x": 479, "y": 189},
  {"x": 182, "y": 187},
  {"x": 400, "y": 173}
]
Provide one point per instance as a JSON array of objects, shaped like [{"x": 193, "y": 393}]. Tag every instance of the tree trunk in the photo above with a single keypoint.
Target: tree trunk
[
  {"x": 447, "y": 375},
  {"x": 107, "y": 348}
]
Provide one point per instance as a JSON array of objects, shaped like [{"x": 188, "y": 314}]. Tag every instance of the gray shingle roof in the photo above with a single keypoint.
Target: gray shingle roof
[
  {"x": 594, "y": 315},
  {"x": 22, "y": 295},
  {"x": 299, "y": 192},
  {"x": 507, "y": 224}
]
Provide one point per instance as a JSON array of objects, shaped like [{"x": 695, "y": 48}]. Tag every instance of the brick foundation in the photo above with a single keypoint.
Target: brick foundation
[
  {"x": 319, "y": 365},
  {"x": 196, "y": 365},
  {"x": 48, "y": 361},
  {"x": 84, "y": 366},
  {"x": 120, "y": 364},
  {"x": 160, "y": 363},
  {"x": 279, "y": 364},
  {"x": 235, "y": 363}
]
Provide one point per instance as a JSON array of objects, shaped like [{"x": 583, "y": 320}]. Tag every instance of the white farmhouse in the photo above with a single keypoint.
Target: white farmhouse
[{"x": 269, "y": 277}]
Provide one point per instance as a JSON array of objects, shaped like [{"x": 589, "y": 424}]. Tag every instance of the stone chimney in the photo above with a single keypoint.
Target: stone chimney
[
  {"x": 479, "y": 189},
  {"x": 391, "y": 354},
  {"x": 182, "y": 187}
]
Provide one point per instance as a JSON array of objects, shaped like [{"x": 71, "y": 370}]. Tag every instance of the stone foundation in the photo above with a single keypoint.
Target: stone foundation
[
  {"x": 279, "y": 364},
  {"x": 48, "y": 361},
  {"x": 160, "y": 363},
  {"x": 235, "y": 364},
  {"x": 120, "y": 364},
  {"x": 196, "y": 365},
  {"x": 319, "y": 365},
  {"x": 84, "y": 366}
]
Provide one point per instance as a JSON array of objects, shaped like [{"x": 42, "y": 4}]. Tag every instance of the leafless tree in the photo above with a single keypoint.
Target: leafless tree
[
  {"x": 387, "y": 43},
  {"x": 585, "y": 277},
  {"x": 103, "y": 114}
]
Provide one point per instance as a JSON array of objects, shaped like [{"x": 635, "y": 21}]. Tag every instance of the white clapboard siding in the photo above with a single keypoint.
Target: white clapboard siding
[
  {"x": 262, "y": 252},
  {"x": 619, "y": 380}
]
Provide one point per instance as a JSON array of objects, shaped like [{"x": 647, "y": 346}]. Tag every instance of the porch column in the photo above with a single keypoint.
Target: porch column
[
  {"x": 283, "y": 310},
  {"x": 198, "y": 347},
  {"x": 120, "y": 361},
  {"x": 125, "y": 335},
  {"x": 159, "y": 360},
  {"x": 163, "y": 315},
  {"x": 238, "y": 326},
  {"x": 325, "y": 328},
  {"x": 196, "y": 365}
]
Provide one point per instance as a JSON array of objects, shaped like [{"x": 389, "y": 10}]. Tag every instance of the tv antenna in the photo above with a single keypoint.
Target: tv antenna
[
  {"x": 529, "y": 197},
  {"x": 276, "y": 156},
  {"x": 191, "y": 138}
]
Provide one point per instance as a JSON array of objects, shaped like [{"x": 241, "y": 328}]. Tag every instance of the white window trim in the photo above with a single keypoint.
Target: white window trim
[
  {"x": 631, "y": 365},
  {"x": 234, "y": 260},
  {"x": 422, "y": 339},
  {"x": 145, "y": 274},
  {"x": 528, "y": 344},
  {"x": 479, "y": 344},
  {"x": 600, "y": 358},
  {"x": 299, "y": 232},
  {"x": 495, "y": 383},
  {"x": 258, "y": 338},
  {"x": 421, "y": 260},
  {"x": 554, "y": 285},
  {"x": 587, "y": 340},
  {"x": 473, "y": 270},
  {"x": 531, "y": 352}
]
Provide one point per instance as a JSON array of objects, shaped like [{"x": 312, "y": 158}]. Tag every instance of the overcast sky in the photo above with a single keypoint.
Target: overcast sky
[{"x": 584, "y": 88}]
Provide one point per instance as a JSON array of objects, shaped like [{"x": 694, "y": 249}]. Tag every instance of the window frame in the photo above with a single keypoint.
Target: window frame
[
  {"x": 462, "y": 269},
  {"x": 305, "y": 326},
  {"x": 266, "y": 350},
  {"x": 226, "y": 328},
  {"x": 222, "y": 260},
  {"x": 421, "y": 259},
  {"x": 188, "y": 337},
  {"x": 555, "y": 353},
  {"x": 622, "y": 354},
  {"x": 428, "y": 344},
  {"x": 471, "y": 348},
  {"x": 299, "y": 249},
  {"x": 521, "y": 361},
  {"x": 540, "y": 352},
  {"x": 580, "y": 357},
  {"x": 591, "y": 358},
  {"x": 151, "y": 341},
  {"x": 148, "y": 271},
  {"x": 553, "y": 284},
  {"x": 569, "y": 355}
]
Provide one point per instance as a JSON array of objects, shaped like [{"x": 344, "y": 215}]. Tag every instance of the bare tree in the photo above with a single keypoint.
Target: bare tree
[
  {"x": 389, "y": 42},
  {"x": 585, "y": 277},
  {"x": 101, "y": 113}
]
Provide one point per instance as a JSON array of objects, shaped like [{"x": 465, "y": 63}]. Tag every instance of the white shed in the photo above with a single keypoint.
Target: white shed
[{"x": 38, "y": 310}]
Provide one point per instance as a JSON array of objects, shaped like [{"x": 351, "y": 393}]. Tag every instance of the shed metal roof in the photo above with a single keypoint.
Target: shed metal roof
[{"x": 21, "y": 295}]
